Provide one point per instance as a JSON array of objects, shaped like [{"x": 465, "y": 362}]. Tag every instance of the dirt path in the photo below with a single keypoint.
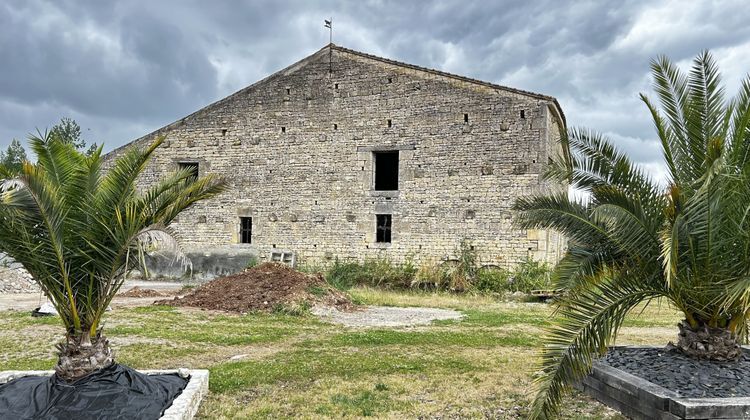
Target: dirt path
[
  {"x": 385, "y": 316},
  {"x": 29, "y": 301}
]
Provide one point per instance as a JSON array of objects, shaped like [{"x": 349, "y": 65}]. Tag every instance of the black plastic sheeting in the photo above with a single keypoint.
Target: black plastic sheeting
[{"x": 117, "y": 392}]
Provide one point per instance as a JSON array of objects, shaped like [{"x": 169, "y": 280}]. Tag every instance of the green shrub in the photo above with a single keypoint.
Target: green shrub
[
  {"x": 430, "y": 276},
  {"x": 456, "y": 275},
  {"x": 377, "y": 273},
  {"x": 462, "y": 273},
  {"x": 493, "y": 280},
  {"x": 530, "y": 275}
]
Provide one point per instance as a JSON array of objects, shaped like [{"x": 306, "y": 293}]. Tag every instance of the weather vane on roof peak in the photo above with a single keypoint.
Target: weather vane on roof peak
[{"x": 329, "y": 25}]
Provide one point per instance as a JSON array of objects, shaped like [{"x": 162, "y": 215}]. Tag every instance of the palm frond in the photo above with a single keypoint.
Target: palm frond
[
  {"x": 587, "y": 326},
  {"x": 5, "y": 173}
]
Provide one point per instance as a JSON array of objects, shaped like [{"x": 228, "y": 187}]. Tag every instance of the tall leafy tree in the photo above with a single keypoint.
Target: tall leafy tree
[
  {"x": 14, "y": 157},
  {"x": 633, "y": 241},
  {"x": 68, "y": 131},
  {"x": 78, "y": 228}
]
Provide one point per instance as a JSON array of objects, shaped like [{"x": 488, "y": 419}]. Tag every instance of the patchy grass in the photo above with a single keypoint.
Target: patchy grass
[{"x": 282, "y": 365}]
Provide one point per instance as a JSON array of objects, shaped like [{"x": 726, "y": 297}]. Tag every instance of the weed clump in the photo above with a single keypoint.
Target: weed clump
[
  {"x": 375, "y": 273},
  {"x": 462, "y": 274}
]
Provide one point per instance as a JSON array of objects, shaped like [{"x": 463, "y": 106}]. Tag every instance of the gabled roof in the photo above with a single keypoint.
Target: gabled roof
[
  {"x": 555, "y": 105},
  {"x": 451, "y": 76}
]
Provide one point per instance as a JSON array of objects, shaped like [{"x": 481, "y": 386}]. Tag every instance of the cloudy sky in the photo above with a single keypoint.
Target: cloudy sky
[{"x": 123, "y": 69}]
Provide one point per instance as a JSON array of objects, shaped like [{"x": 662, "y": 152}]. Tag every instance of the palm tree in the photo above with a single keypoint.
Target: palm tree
[
  {"x": 633, "y": 241},
  {"x": 78, "y": 229}
]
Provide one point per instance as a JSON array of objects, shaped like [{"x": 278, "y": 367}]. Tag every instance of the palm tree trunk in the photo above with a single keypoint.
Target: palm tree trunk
[
  {"x": 706, "y": 342},
  {"x": 80, "y": 356}
]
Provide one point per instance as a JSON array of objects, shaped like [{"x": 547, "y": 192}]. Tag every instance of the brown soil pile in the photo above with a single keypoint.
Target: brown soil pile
[
  {"x": 137, "y": 292},
  {"x": 265, "y": 287}
]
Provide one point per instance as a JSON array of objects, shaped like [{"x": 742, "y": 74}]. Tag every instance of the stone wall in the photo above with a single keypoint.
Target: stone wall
[{"x": 297, "y": 151}]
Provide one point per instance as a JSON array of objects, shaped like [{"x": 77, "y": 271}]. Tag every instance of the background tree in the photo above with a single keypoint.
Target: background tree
[
  {"x": 78, "y": 230},
  {"x": 633, "y": 241},
  {"x": 14, "y": 157},
  {"x": 68, "y": 131}
]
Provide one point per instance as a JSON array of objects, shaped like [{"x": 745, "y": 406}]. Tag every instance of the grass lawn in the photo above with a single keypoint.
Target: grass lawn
[{"x": 297, "y": 366}]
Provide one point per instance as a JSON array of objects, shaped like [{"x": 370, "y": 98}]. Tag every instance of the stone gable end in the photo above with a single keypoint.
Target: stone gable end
[{"x": 300, "y": 149}]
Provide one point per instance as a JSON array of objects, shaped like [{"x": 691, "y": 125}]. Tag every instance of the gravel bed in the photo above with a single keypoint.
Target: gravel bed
[
  {"x": 690, "y": 378},
  {"x": 14, "y": 278},
  {"x": 385, "y": 316}
]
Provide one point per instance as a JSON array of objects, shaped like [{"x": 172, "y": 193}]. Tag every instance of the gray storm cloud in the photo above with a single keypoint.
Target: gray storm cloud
[{"x": 122, "y": 69}]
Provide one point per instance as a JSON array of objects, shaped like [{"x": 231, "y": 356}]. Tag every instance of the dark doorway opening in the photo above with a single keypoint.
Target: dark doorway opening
[
  {"x": 246, "y": 230},
  {"x": 383, "y": 227},
  {"x": 386, "y": 170}
]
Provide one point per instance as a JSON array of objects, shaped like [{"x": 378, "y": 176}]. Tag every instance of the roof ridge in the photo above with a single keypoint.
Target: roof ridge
[
  {"x": 453, "y": 76},
  {"x": 441, "y": 72}
]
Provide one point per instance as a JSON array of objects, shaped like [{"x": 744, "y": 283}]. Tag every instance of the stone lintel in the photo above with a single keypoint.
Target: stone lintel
[{"x": 386, "y": 148}]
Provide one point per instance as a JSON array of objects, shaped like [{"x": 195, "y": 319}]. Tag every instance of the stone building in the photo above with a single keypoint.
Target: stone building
[{"x": 345, "y": 154}]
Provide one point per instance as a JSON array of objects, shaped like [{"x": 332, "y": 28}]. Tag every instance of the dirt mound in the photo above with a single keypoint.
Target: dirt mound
[
  {"x": 137, "y": 292},
  {"x": 265, "y": 287}
]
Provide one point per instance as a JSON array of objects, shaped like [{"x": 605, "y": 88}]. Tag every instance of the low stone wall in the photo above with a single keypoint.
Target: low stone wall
[
  {"x": 628, "y": 394},
  {"x": 14, "y": 278},
  {"x": 640, "y": 399},
  {"x": 206, "y": 264}
]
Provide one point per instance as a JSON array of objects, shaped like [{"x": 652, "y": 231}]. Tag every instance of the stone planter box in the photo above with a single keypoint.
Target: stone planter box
[
  {"x": 640, "y": 399},
  {"x": 184, "y": 407}
]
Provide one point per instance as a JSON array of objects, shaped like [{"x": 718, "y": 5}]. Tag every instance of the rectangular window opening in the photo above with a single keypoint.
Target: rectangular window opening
[
  {"x": 466, "y": 118},
  {"x": 390, "y": 123},
  {"x": 246, "y": 230},
  {"x": 192, "y": 167},
  {"x": 386, "y": 170},
  {"x": 288, "y": 91},
  {"x": 336, "y": 86},
  {"x": 223, "y": 131},
  {"x": 335, "y": 126},
  {"x": 523, "y": 114},
  {"x": 384, "y": 223},
  {"x": 283, "y": 129}
]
